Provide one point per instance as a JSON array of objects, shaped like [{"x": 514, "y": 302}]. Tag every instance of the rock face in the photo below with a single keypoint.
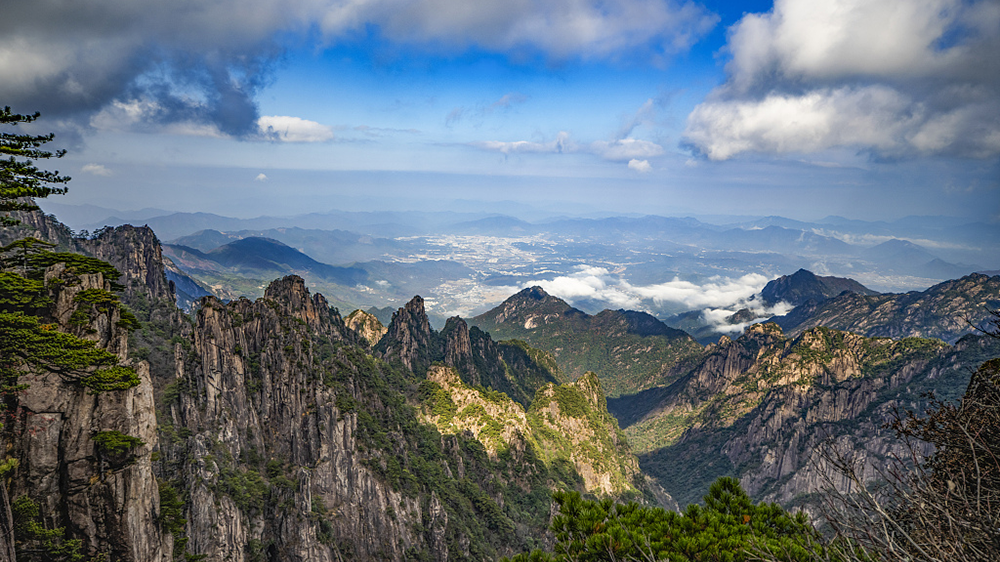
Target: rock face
[
  {"x": 410, "y": 339},
  {"x": 273, "y": 432},
  {"x": 292, "y": 441},
  {"x": 412, "y": 342},
  {"x": 366, "y": 325},
  {"x": 629, "y": 351},
  {"x": 36, "y": 224},
  {"x": 136, "y": 253},
  {"x": 257, "y": 401},
  {"x": 760, "y": 407},
  {"x": 107, "y": 499},
  {"x": 942, "y": 311}
]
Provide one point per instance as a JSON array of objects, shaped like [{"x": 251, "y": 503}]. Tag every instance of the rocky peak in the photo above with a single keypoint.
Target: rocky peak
[
  {"x": 410, "y": 339},
  {"x": 526, "y": 305},
  {"x": 765, "y": 332},
  {"x": 366, "y": 325},
  {"x": 803, "y": 285},
  {"x": 291, "y": 295},
  {"x": 458, "y": 346},
  {"x": 534, "y": 293},
  {"x": 136, "y": 253}
]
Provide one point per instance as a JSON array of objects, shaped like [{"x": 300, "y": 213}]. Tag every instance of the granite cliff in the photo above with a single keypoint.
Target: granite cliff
[{"x": 273, "y": 430}]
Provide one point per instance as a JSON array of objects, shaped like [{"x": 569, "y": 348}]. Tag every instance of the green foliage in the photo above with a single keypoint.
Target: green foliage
[
  {"x": 19, "y": 178},
  {"x": 171, "y": 510},
  {"x": 98, "y": 297},
  {"x": 247, "y": 488},
  {"x": 442, "y": 406},
  {"x": 18, "y": 294},
  {"x": 76, "y": 263},
  {"x": 115, "y": 443},
  {"x": 33, "y": 541},
  {"x": 727, "y": 529},
  {"x": 26, "y": 341},
  {"x": 116, "y": 377},
  {"x": 571, "y": 401}
]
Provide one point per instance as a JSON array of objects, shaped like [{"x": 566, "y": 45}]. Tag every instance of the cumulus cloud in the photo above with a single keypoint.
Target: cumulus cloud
[
  {"x": 897, "y": 78},
  {"x": 293, "y": 129},
  {"x": 641, "y": 166},
  {"x": 261, "y": 177},
  {"x": 201, "y": 64},
  {"x": 97, "y": 170}
]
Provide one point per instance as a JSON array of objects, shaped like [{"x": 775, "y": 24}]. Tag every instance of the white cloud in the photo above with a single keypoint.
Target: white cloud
[
  {"x": 261, "y": 177},
  {"x": 717, "y": 292},
  {"x": 720, "y": 296},
  {"x": 204, "y": 62},
  {"x": 896, "y": 77},
  {"x": 625, "y": 149},
  {"x": 593, "y": 284},
  {"x": 558, "y": 28},
  {"x": 293, "y": 129},
  {"x": 641, "y": 166},
  {"x": 97, "y": 170}
]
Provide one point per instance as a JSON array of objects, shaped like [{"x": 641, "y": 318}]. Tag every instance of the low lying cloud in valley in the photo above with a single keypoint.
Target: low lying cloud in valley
[{"x": 718, "y": 298}]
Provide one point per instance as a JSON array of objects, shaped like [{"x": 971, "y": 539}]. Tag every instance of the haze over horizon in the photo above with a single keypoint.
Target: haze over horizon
[{"x": 871, "y": 111}]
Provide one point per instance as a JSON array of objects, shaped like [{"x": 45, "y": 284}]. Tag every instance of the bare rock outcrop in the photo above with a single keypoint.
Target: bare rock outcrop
[{"x": 366, "y": 325}]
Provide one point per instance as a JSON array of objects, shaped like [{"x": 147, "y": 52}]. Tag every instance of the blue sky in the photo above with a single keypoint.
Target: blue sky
[{"x": 804, "y": 109}]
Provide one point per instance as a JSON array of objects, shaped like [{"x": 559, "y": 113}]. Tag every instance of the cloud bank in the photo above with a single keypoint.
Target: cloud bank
[
  {"x": 598, "y": 284},
  {"x": 896, "y": 78},
  {"x": 718, "y": 298}
]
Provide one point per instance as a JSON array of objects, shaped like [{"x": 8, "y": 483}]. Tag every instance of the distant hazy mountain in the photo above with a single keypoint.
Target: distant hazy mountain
[
  {"x": 378, "y": 223},
  {"x": 804, "y": 285},
  {"x": 628, "y": 350},
  {"x": 898, "y": 252},
  {"x": 327, "y": 246},
  {"x": 495, "y": 226},
  {"x": 943, "y": 311},
  {"x": 243, "y": 268}
]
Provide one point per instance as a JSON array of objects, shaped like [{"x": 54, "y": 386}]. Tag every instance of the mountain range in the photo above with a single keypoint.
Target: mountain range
[{"x": 278, "y": 429}]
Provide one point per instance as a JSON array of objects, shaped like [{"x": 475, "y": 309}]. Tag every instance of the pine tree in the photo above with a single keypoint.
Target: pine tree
[{"x": 20, "y": 180}]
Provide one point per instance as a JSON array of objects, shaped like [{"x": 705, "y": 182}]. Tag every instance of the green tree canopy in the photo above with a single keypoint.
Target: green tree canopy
[
  {"x": 729, "y": 528},
  {"x": 20, "y": 179}
]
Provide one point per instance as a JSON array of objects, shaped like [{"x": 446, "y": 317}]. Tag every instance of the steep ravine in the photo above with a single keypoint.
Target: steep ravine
[{"x": 763, "y": 406}]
